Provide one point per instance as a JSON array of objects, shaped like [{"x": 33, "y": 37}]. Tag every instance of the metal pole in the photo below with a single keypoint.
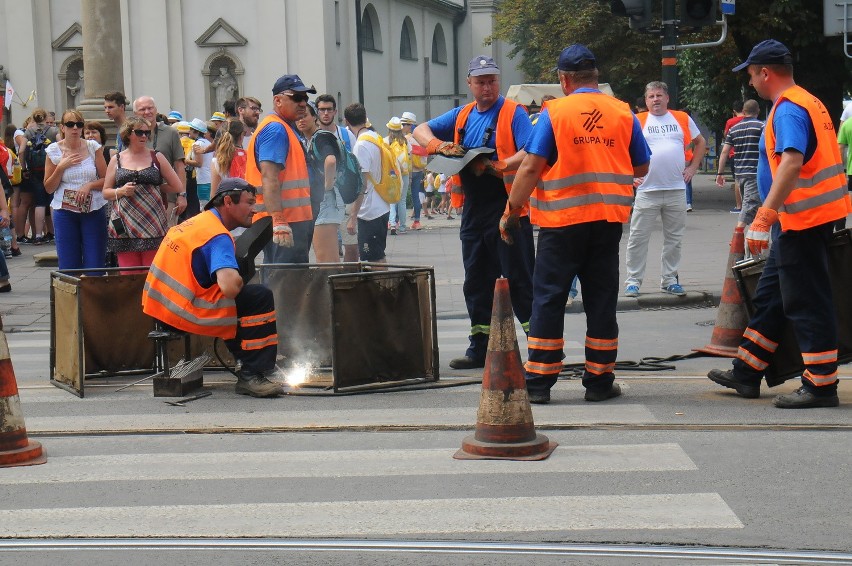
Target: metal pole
[{"x": 669, "y": 73}]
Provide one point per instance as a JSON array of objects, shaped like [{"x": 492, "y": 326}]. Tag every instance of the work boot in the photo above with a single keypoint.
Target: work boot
[
  {"x": 596, "y": 395},
  {"x": 539, "y": 397},
  {"x": 802, "y": 398},
  {"x": 466, "y": 362},
  {"x": 257, "y": 386},
  {"x": 727, "y": 379}
]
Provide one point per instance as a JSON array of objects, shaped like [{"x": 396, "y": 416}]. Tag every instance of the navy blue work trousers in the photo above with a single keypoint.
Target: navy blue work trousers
[
  {"x": 486, "y": 257},
  {"x": 256, "y": 342},
  {"x": 590, "y": 252},
  {"x": 794, "y": 286}
]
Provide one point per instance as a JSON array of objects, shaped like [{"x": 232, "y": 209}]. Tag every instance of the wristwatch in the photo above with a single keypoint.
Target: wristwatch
[{"x": 181, "y": 194}]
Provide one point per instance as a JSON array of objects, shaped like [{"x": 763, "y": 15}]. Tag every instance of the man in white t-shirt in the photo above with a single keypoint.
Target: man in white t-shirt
[
  {"x": 662, "y": 192},
  {"x": 373, "y": 211}
]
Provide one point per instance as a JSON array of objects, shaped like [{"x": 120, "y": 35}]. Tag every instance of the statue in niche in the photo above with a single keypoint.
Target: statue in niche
[
  {"x": 225, "y": 87},
  {"x": 77, "y": 89}
]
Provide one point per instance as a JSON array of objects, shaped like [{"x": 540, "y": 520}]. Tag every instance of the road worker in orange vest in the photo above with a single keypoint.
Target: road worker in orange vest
[
  {"x": 594, "y": 146},
  {"x": 501, "y": 124},
  {"x": 275, "y": 161},
  {"x": 195, "y": 285},
  {"x": 806, "y": 196}
]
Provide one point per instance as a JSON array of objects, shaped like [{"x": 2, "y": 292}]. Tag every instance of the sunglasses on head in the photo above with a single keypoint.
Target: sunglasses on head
[
  {"x": 73, "y": 124},
  {"x": 142, "y": 133},
  {"x": 297, "y": 96}
]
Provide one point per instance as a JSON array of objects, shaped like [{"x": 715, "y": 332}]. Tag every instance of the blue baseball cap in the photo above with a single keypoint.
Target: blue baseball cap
[
  {"x": 291, "y": 82},
  {"x": 482, "y": 65},
  {"x": 767, "y": 52},
  {"x": 576, "y": 57}
]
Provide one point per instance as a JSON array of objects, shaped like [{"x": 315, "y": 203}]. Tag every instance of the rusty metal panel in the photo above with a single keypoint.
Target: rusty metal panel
[
  {"x": 66, "y": 353},
  {"x": 383, "y": 327},
  {"x": 115, "y": 330}
]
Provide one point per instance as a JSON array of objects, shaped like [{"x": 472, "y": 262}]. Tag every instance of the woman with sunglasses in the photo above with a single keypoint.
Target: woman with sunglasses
[
  {"x": 135, "y": 182},
  {"x": 74, "y": 173}
]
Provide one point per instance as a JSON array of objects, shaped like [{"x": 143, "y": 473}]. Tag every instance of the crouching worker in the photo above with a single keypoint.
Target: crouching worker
[{"x": 195, "y": 285}]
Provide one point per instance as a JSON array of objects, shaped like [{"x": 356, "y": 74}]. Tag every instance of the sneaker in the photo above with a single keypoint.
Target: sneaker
[
  {"x": 466, "y": 362},
  {"x": 689, "y": 208},
  {"x": 674, "y": 289},
  {"x": 6, "y": 287},
  {"x": 539, "y": 397},
  {"x": 450, "y": 217},
  {"x": 16, "y": 252},
  {"x": 24, "y": 240},
  {"x": 49, "y": 237},
  {"x": 726, "y": 378},
  {"x": 416, "y": 225},
  {"x": 735, "y": 211},
  {"x": 393, "y": 231},
  {"x": 631, "y": 291},
  {"x": 595, "y": 395},
  {"x": 38, "y": 240},
  {"x": 802, "y": 398},
  {"x": 258, "y": 386}
]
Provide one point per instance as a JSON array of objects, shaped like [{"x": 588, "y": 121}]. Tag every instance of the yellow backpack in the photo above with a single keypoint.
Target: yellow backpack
[
  {"x": 389, "y": 185},
  {"x": 400, "y": 152}
]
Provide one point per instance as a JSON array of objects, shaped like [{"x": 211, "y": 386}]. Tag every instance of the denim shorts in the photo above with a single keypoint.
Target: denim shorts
[{"x": 331, "y": 209}]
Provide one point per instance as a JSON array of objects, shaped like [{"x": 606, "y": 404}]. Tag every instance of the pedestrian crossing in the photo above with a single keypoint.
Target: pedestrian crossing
[{"x": 222, "y": 487}]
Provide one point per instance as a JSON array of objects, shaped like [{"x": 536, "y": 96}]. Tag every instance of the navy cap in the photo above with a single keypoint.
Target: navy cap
[
  {"x": 482, "y": 65},
  {"x": 576, "y": 57},
  {"x": 767, "y": 52},
  {"x": 291, "y": 82},
  {"x": 229, "y": 185}
]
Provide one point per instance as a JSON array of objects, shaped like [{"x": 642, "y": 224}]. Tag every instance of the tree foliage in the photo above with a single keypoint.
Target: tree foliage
[{"x": 540, "y": 29}]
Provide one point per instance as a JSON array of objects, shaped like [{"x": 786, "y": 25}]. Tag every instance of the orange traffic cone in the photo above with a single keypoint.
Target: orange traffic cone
[
  {"x": 15, "y": 447},
  {"x": 731, "y": 317},
  {"x": 504, "y": 422}
]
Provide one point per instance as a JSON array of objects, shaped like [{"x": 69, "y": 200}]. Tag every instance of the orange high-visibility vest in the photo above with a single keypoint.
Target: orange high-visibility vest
[
  {"x": 504, "y": 140},
  {"x": 173, "y": 295},
  {"x": 295, "y": 185},
  {"x": 592, "y": 178},
  {"x": 821, "y": 193},
  {"x": 682, "y": 119}
]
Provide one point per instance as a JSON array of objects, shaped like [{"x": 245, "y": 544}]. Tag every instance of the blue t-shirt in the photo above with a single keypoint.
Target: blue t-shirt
[
  {"x": 542, "y": 140},
  {"x": 793, "y": 130},
  {"x": 216, "y": 254},
  {"x": 478, "y": 122},
  {"x": 272, "y": 144}
]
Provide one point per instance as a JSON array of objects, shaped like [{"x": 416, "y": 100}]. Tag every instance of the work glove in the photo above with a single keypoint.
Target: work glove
[
  {"x": 483, "y": 165},
  {"x": 757, "y": 236},
  {"x": 509, "y": 222},
  {"x": 449, "y": 149},
  {"x": 282, "y": 234}
]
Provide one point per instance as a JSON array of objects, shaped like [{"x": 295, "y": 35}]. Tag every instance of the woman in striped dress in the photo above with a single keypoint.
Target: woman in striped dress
[{"x": 135, "y": 182}]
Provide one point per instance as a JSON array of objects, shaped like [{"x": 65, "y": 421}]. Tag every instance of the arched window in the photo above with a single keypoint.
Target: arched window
[
  {"x": 407, "y": 41},
  {"x": 439, "y": 46},
  {"x": 371, "y": 31}
]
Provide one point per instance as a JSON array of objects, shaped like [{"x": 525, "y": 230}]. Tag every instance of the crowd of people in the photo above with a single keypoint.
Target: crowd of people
[{"x": 579, "y": 170}]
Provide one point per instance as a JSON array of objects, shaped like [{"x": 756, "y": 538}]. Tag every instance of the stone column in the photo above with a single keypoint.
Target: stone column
[{"x": 102, "y": 58}]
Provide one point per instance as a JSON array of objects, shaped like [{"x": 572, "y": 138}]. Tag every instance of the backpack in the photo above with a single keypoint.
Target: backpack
[
  {"x": 35, "y": 152},
  {"x": 400, "y": 152},
  {"x": 348, "y": 182},
  {"x": 389, "y": 185}
]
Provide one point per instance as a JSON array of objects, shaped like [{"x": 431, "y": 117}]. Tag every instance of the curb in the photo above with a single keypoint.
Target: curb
[{"x": 692, "y": 299}]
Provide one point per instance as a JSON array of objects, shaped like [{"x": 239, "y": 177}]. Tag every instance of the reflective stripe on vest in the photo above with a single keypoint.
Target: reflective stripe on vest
[
  {"x": 821, "y": 193},
  {"x": 592, "y": 178},
  {"x": 172, "y": 294},
  {"x": 504, "y": 139},
  {"x": 295, "y": 185}
]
